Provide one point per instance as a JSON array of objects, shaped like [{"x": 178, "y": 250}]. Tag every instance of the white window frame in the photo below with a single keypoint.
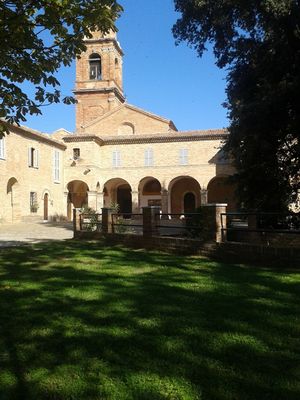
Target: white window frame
[
  {"x": 33, "y": 157},
  {"x": 116, "y": 159},
  {"x": 183, "y": 156},
  {"x": 56, "y": 166},
  {"x": 149, "y": 157},
  {"x": 2, "y": 148}
]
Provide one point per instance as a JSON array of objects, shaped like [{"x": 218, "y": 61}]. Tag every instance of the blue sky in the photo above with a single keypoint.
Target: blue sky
[{"x": 158, "y": 76}]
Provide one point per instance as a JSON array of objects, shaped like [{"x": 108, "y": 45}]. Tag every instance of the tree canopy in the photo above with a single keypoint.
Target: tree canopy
[
  {"x": 259, "y": 44},
  {"x": 37, "y": 37}
]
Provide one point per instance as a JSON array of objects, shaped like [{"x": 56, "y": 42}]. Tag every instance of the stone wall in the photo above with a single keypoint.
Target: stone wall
[{"x": 18, "y": 179}]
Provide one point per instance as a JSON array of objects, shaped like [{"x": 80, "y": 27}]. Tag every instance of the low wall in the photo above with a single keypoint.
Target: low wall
[
  {"x": 275, "y": 239},
  {"x": 258, "y": 254},
  {"x": 229, "y": 252}
]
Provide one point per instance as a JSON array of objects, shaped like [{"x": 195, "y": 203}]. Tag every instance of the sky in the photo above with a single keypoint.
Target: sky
[{"x": 158, "y": 76}]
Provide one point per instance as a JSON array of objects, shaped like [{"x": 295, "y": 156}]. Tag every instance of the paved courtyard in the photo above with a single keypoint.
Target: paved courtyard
[{"x": 24, "y": 233}]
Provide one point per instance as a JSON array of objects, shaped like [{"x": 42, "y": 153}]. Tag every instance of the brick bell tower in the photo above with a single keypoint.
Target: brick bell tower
[{"x": 98, "y": 86}]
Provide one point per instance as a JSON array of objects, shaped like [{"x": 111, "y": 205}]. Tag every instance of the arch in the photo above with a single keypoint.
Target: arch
[
  {"x": 189, "y": 202},
  {"x": 118, "y": 191},
  {"x": 95, "y": 67},
  {"x": 149, "y": 192},
  {"x": 77, "y": 195},
  {"x": 221, "y": 190},
  {"x": 126, "y": 128},
  {"x": 13, "y": 199},
  {"x": 178, "y": 188}
]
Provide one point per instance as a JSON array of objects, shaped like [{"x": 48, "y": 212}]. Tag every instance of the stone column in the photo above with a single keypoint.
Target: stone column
[
  {"x": 92, "y": 199},
  {"x": 99, "y": 201},
  {"x": 76, "y": 222},
  {"x": 67, "y": 207},
  {"x": 135, "y": 202},
  {"x": 107, "y": 220},
  {"x": 203, "y": 194},
  {"x": 149, "y": 222},
  {"x": 164, "y": 201}
]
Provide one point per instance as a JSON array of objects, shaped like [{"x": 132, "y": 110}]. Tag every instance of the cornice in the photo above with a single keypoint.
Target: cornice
[
  {"x": 106, "y": 40},
  {"x": 192, "y": 136},
  {"x": 33, "y": 134},
  {"x": 115, "y": 90}
]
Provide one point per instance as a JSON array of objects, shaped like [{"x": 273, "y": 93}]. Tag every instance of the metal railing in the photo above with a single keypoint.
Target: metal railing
[
  {"x": 90, "y": 222},
  {"x": 261, "y": 227},
  {"x": 127, "y": 223},
  {"x": 180, "y": 225}
]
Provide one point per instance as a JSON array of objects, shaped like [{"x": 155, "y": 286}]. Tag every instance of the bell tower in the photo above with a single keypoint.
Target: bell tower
[{"x": 98, "y": 86}]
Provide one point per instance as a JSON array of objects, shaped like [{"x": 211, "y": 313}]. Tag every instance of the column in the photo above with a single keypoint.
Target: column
[
  {"x": 92, "y": 199},
  {"x": 99, "y": 201},
  {"x": 203, "y": 194},
  {"x": 76, "y": 222},
  {"x": 135, "y": 202},
  {"x": 164, "y": 201}
]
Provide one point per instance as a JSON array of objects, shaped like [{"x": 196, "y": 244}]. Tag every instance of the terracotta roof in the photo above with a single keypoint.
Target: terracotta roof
[
  {"x": 34, "y": 134},
  {"x": 182, "y": 136}
]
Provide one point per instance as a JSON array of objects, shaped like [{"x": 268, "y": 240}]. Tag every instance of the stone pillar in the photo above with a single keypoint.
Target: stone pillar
[
  {"x": 149, "y": 222},
  {"x": 107, "y": 220},
  {"x": 135, "y": 202},
  {"x": 76, "y": 221},
  {"x": 252, "y": 221},
  {"x": 92, "y": 199},
  {"x": 99, "y": 201},
  {"x": 212, "y": 222},
  {"x": 203, "y": 194},
  {"x": 164, "y": 201}
]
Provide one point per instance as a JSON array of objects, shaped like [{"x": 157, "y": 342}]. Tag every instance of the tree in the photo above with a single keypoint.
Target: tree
[
  {"x": 259, "y": 44},
  {"x": 37, "y": 37}
]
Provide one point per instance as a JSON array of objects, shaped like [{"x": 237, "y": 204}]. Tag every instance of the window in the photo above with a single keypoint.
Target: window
[
  {"x": 33, "y": 202},
  {"x": 148, "y": 157},
  {"x": 183, "y": 156},
  {"x": 76, "y": 154},
  {"x": 2, "y": 149},
  {"x": 116, "y": 158},
  {"x": 56, "y": 166},
  {"x": 33, "y": 157},
  {"x": 95, "y": 66}
]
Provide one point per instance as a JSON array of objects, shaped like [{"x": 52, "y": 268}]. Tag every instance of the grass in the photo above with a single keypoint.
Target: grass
[{"x": 83, "y": 321}]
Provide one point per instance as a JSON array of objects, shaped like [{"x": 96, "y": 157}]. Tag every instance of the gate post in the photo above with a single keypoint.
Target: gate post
[
  {"x": 149, "y": 223},
  {"x": 107, "y": 220},
  {"x": 213, "y": 219}
]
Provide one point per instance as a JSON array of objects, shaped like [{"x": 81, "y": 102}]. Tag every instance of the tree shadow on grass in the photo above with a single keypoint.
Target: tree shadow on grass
[{"x": 81, "y": 321}]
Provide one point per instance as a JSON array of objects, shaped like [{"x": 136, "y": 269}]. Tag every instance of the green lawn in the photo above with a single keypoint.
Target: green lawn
[{"x": 83, "y": 321}]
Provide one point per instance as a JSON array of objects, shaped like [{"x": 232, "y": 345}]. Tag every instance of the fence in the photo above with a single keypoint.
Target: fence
[
  {"x": 203, "y": 226},
  {"x": 90, "y": 222},
  {"x": 261, "y": 228}
]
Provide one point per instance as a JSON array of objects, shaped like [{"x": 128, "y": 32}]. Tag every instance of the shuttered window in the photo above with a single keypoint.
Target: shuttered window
[
  {"x": 116, "y": 161},
  {"x": 56, "y": 166},
  {"x": 183, "y": 156},
  {"x": 148, "y": 157},
  {"x": 33, "y": 157}
]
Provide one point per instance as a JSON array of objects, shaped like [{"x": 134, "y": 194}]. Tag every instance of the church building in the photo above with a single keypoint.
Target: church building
[{"x": 118, "y": 154}]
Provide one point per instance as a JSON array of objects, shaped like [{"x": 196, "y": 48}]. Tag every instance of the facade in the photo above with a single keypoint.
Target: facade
[{"x": 119, "y": 153}]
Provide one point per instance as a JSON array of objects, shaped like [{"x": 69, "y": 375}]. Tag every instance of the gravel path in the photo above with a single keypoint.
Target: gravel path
[{"x": 24, "y": 233}]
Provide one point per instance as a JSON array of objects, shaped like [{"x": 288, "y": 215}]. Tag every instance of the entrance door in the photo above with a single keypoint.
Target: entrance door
[
  {"x": 189, "y": 202},
  {"x": 46, "y": 198}
]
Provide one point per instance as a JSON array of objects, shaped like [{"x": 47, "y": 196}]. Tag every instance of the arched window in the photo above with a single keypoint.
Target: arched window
[{"x": 95, "y": 66}]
